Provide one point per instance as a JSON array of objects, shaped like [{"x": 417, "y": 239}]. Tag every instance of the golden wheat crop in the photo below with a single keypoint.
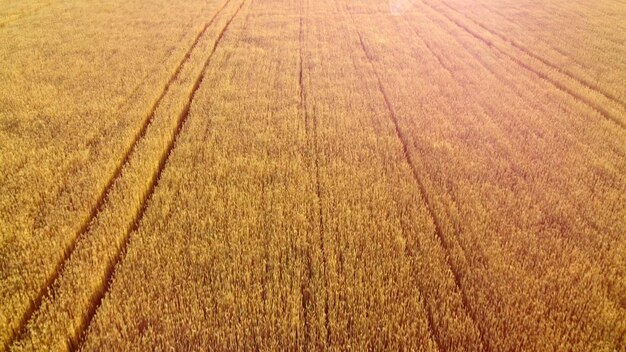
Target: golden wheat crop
[{"x": 313, "y": 175}]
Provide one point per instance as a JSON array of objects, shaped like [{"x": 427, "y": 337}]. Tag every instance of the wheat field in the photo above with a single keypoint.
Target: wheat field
[{"x": 385, "y": 175}]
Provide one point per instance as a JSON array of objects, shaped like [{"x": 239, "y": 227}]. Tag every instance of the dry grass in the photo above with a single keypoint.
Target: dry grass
[{"x": 311, "y": 175}]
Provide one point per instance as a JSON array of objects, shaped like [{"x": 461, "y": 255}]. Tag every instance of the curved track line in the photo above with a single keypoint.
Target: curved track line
[
  {"x": 508, "y": 82},
  {"x": 102, "y": 197},
  {"x": 312, "y": 133},
  {"x": 427, "y": 201},
  {"x": 546, "y": 62},
  {"x": 305, "y": 289},
  {"x": 405, "y": 152},
  {"x": 425, "y": 196},
  {"x": 562, "y": 52},
  {"x": 560, "y": 86},
  {"x": 407, "y": 157},
  {"x": 182, "y": 119}
]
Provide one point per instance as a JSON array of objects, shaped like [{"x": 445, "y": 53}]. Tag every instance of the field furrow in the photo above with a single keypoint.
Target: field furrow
[
  {"x": 581, "y": 81},
  {"x": 182, "y": 119},
  {"x": 439, "y": 323},
  {"x": 310, "y": 126},
  {"x": 443, "y": 239},
  {"x": 479, "y": 133},
  {"x": 424, "y": 195},
  {"x": 75, "y": 294},
  {"x": 608, "y": 107},
  {"x": 551, "y": 32},
  {"x": 260, "y": 204},
  {"x": 36, "y": 302},
  {"x": 70, "y": 169},
  {"x": 586, "y": 148}
]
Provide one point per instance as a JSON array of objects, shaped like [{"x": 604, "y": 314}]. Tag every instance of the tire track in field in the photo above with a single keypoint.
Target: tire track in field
[
  {"x": 424, "y": 195},
  {"x": 583, "y": 82},
  {"x": 182, "y": 119},
  {"x": 312, "y": 133},
  {"x": 428, "y": 201},
  {"x": 506, "y": 81},
  {"x": 305, "y": 289},
  {"x": 455, "y": 76},
  {"x": 560, "y": 86},
  {"x": 562, "y": 52},
  {"x": 518, "y": 93},
  {"x": 40, "y": 218},
  {"x": 102, "y": 197},
  {"x": 407, "y": 157},
  {"x": 441, "y": 63},
  {"x": 514, "y": 89}
]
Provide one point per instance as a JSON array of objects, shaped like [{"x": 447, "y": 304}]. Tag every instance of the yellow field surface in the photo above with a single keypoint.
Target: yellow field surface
[{"x": 436, "y": 175}]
